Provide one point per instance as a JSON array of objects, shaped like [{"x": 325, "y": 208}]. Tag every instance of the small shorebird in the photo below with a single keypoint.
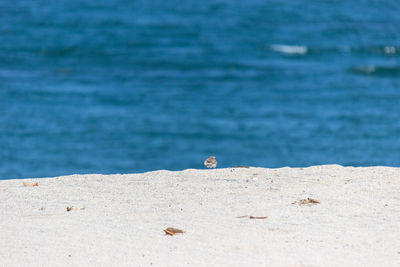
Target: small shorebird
[{"x": 211, "y": 162}]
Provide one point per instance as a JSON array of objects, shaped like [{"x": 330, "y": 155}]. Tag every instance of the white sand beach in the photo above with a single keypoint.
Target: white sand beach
[{"x": 118, "y": 220}]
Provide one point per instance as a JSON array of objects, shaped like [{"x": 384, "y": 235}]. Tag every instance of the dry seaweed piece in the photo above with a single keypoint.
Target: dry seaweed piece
[
  {"x": 34, "y": 184},
  {"x": 261, "y": 217},
  {"x": 172, "y": 231},
  {"x": 307, "y": 201},
  {"x": 69, "y": 208},
  {"x": 244, "y": 216}
]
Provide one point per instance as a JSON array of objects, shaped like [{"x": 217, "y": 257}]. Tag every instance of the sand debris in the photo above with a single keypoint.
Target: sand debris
[
  {"x": 252, "y": 217},
  {"x": 30, "y": 185},
  {"x": 172, "y": 231},
  {"x": 308, "y": 201}
]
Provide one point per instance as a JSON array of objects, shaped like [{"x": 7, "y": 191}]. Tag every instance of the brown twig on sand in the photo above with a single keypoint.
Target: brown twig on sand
[
  {"x": 34, "y": 184},
  {"x": 172, "y": 231},
  {"x": 262, "y": 217},
  {"x": 69, "y": 208}
]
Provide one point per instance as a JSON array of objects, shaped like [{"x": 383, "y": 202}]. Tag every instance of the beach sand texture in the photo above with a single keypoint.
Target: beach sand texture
[{"x": 119, "y": 220}]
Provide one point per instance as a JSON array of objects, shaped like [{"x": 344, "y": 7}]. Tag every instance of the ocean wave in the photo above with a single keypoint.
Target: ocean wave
[
  {"x": 391, "y": 49},
  {"x": 376, "y": 70},
  {"x": 386, "y": 50},
  {"x": 8, "y": 73},
  {"x": 289, "y": 49}
]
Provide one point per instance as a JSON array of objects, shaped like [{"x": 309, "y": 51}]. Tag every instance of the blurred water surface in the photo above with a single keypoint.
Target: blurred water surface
[{"x": 132, "y": 86}]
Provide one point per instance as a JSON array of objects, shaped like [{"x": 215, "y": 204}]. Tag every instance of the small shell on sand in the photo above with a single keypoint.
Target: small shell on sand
[{"x": 30, "y": 185}]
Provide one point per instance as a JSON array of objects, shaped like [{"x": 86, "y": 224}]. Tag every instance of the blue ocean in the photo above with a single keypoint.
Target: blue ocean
[{"x": 133, "y": 86}]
